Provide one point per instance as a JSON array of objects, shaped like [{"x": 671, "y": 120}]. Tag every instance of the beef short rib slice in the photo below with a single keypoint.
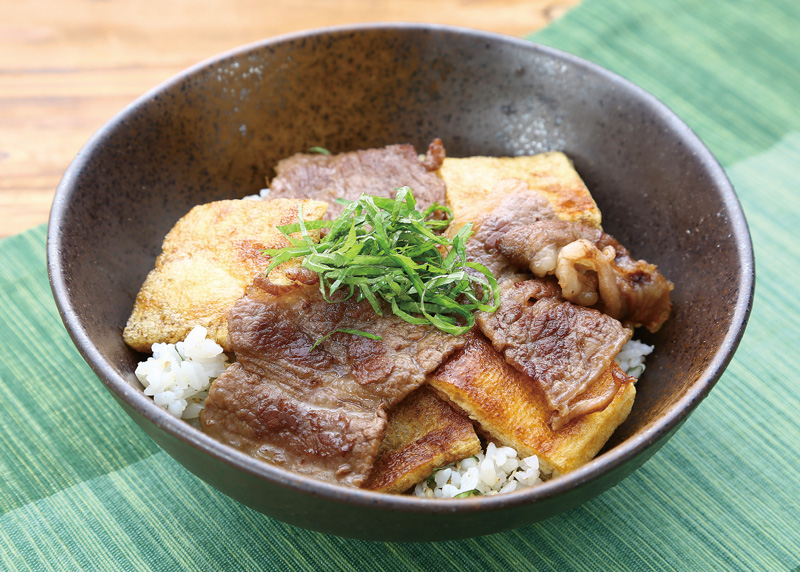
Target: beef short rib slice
[
  {"x": 373, "y": 171},
  {"x": 593, "y": 269},
  {"x": 322, "y": 411},
  {"x": 562, "y": 346},
  {"x": 265, "y": 421},
  {"x": 512, "y": 205}
]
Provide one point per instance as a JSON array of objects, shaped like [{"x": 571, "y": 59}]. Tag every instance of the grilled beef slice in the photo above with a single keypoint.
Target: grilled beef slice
[
  {"x": 322, "y": 411},
  {"x": 561, "y": 346},
  {"x": 511, "y": 205},
  {"x": 374, "y": 171},
  {"x": 593, "y": 269}
]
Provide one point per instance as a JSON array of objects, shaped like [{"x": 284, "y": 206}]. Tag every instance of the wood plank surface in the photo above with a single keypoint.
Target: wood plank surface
[{"x": 68, "y": 66}]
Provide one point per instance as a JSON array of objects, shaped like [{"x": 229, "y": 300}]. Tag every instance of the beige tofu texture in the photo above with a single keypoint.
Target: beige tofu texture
[
  {"x": 471, "y": 181},
  {"x": 511, "y": 409},
  {"x": 208, "y": 259},
  {"x": 423, "y": 433}
]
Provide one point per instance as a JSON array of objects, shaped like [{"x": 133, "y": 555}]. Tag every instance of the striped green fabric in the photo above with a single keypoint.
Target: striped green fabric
[{"x": 82, "y": 488}]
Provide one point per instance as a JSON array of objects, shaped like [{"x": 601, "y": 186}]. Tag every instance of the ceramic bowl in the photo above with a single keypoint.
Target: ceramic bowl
[{"x": 216, "y": 131}]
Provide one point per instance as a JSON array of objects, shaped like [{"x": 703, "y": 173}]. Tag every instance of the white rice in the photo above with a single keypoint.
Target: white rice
[
  {"x": 495, "y": 470},
  {"x": 178, "y": 375},
  {"x": 631, "y": 357},
  {"x": 262, "y": 195}
]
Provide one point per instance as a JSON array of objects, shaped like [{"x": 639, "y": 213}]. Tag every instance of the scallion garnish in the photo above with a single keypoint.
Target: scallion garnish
[
  {"x": 431, "y": 480},
  {"x": 385, "y": 249},
  {"x": 320, "y": 150}
]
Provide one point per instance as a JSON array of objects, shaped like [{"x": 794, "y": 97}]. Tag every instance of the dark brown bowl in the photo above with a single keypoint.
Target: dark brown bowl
[{"x": 215, "y": 132}]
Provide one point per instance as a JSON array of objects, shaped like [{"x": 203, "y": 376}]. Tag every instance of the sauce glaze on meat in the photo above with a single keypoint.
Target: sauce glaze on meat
[
  {"x": 320, "y": 411},
  {"x": 371, "y": 171},
  {"x": 545, "y": 327}
]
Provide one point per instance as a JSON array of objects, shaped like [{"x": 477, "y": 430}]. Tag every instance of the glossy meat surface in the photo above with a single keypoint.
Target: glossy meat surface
[
  {"x": 562, "y": 346},
  {"x": 593, "y": 269},
  {"x": 374, "y": 171},
  {"x": 325, "y": 406}
]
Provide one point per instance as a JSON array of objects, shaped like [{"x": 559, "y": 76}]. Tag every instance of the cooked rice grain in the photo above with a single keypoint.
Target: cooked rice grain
[
  {"x": 177, "y": 376},
  {"x": 495, "y": 470},
  {"x": 631, "y": 357}
]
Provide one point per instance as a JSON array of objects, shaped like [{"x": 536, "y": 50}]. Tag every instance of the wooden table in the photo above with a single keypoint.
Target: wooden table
[{"x": 68, "y": 66}]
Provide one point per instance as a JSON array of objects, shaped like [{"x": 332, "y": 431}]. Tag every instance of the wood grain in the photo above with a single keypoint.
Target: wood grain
[{"x": 68, "y": 66}]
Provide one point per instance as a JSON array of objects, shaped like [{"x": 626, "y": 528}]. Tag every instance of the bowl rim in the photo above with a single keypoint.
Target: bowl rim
[{"x": 605, "y": 463}]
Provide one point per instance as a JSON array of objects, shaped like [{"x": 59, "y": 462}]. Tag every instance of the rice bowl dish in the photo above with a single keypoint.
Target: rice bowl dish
[
  {"x": 164, "y": 154},
  {"x": 336, "y": 401}
]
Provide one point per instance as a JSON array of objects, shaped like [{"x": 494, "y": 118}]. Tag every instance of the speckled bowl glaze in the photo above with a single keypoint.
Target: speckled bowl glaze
[{"x": 216, "y": 131}]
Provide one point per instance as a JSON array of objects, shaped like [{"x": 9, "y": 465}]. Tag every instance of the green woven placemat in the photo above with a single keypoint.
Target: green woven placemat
[{"x": 82, "y": 488}]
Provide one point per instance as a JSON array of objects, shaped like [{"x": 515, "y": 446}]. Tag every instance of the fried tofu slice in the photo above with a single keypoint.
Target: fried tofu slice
[
  {"x": 424, "y": 433},
  {"x": 471, "y": 180},
  {"x": 511, "y": 409},
  {"x": 208, "y": 259}
]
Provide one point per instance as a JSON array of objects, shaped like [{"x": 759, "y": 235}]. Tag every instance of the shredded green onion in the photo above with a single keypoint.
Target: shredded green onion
[
  {"x": 385, "y": 249},
  {"x": 320, "y": 150}
]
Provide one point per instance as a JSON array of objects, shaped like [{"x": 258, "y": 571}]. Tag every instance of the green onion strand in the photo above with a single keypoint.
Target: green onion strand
[
  {"x": 384, "y": 250},
  {"x": 320, "y": 150}
]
